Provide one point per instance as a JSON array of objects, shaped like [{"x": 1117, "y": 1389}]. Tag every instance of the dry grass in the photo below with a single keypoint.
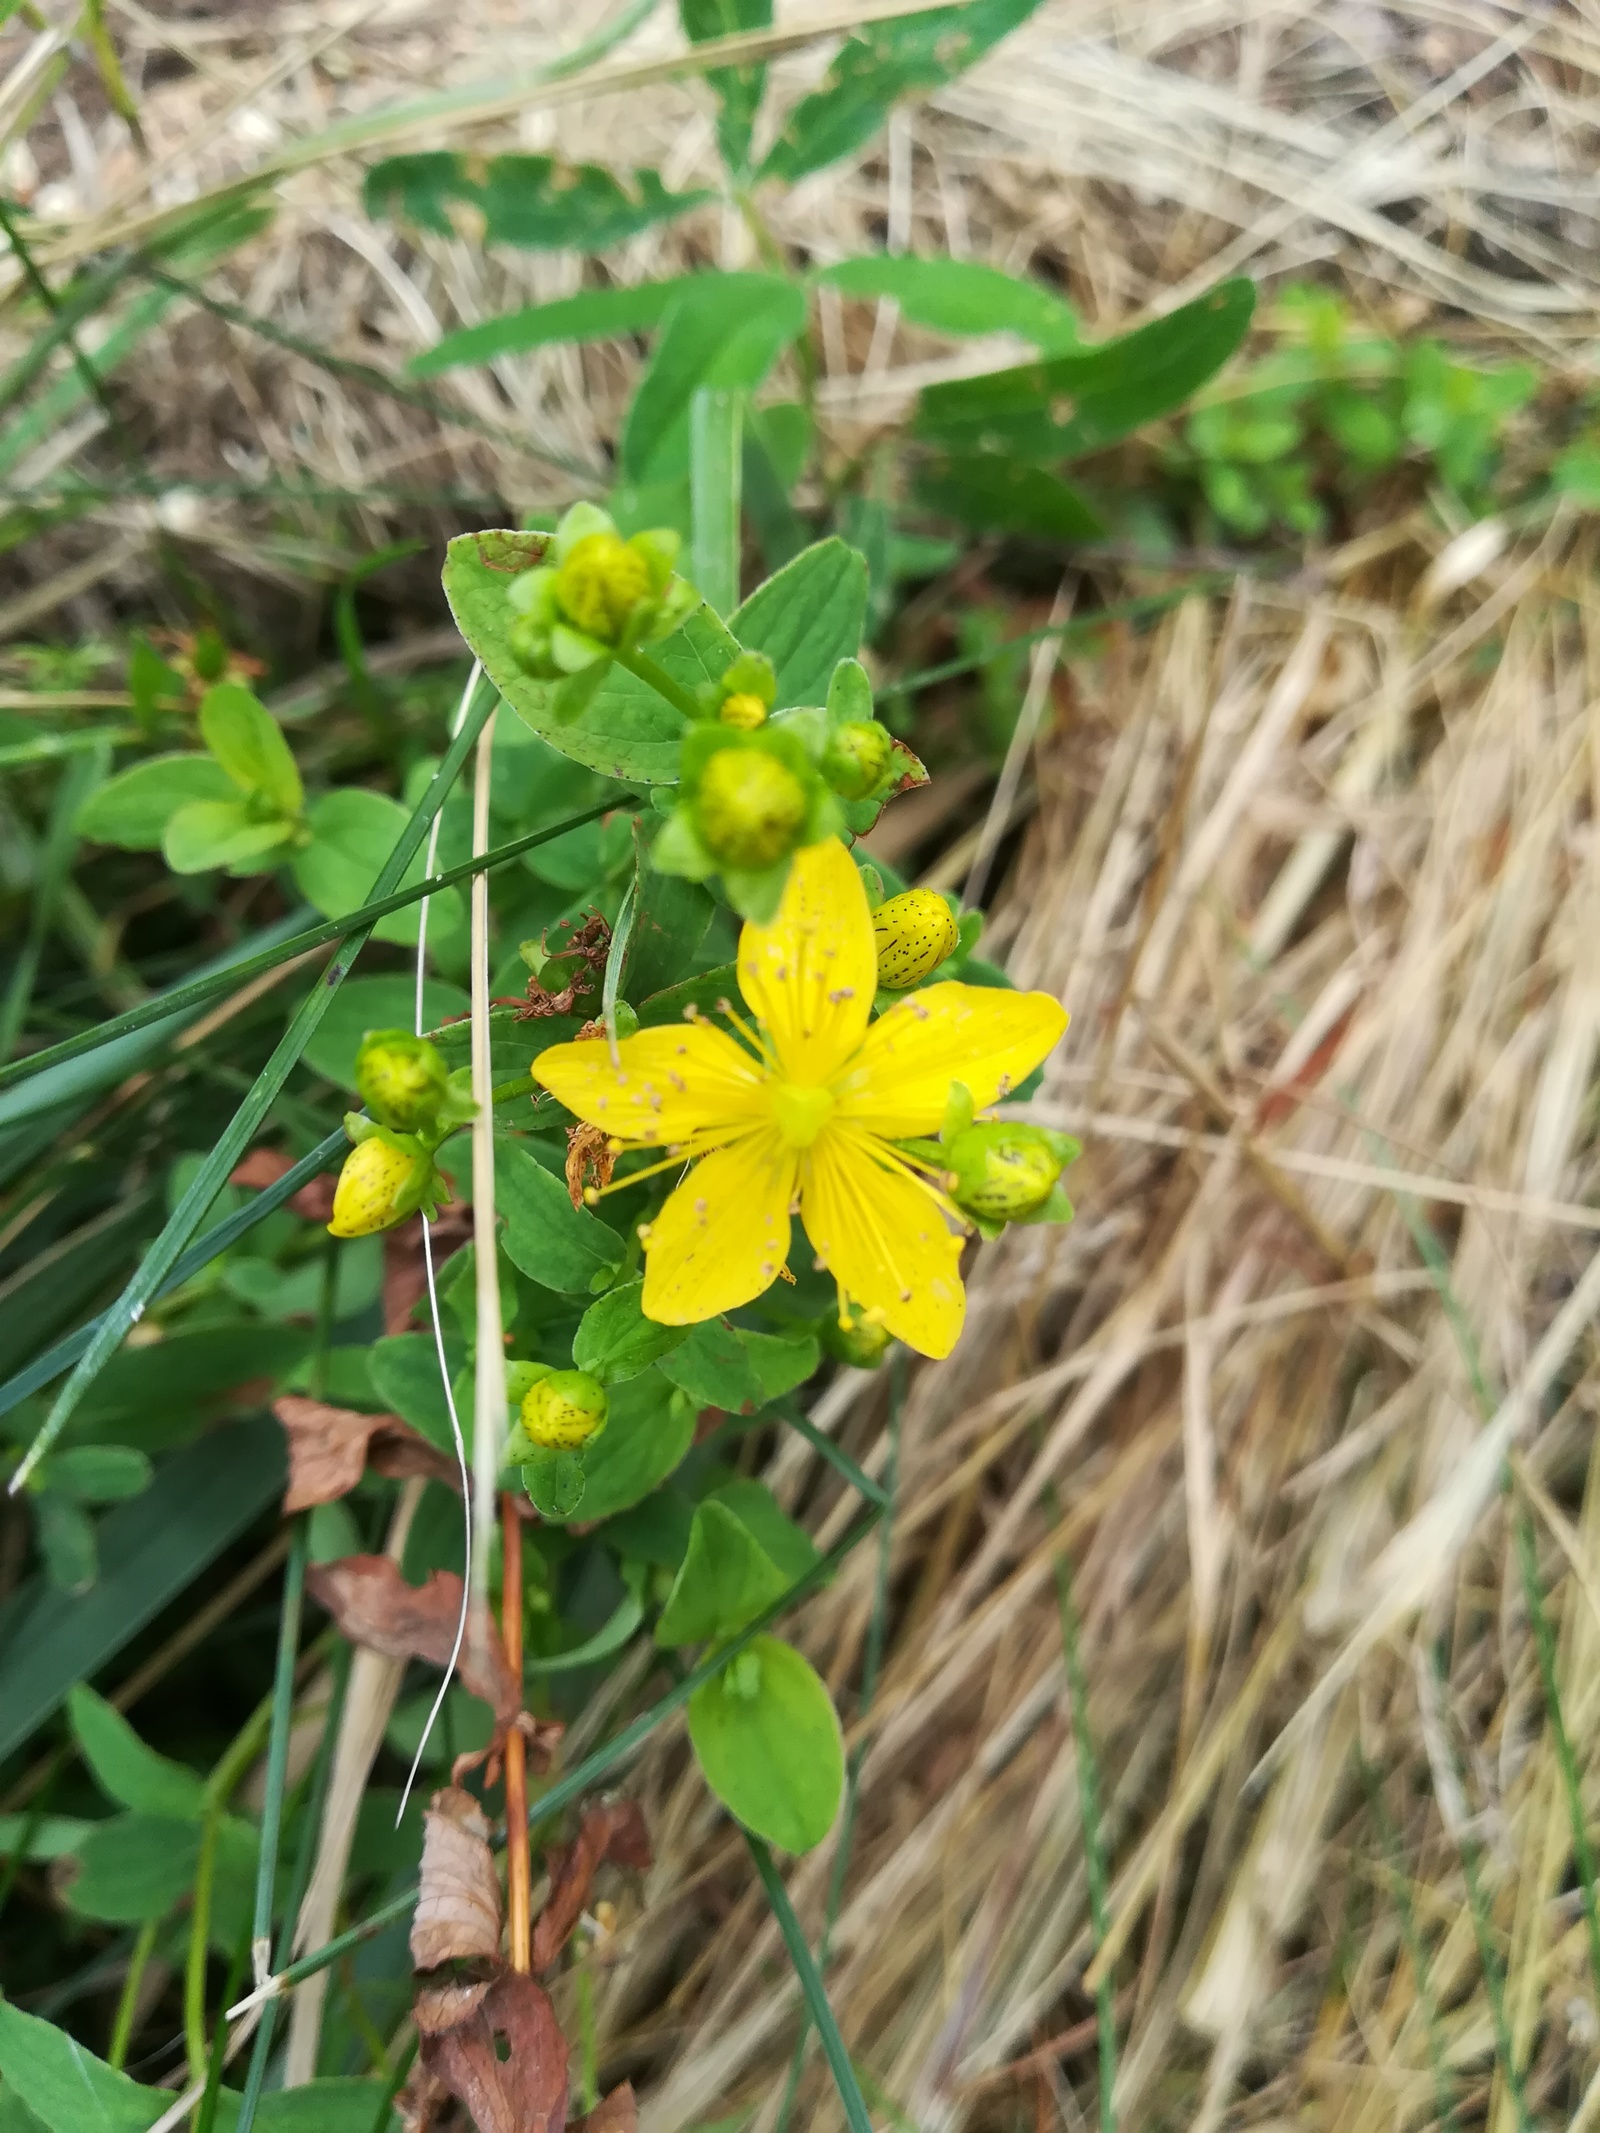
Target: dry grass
[{"x": 1315, "y": 868}]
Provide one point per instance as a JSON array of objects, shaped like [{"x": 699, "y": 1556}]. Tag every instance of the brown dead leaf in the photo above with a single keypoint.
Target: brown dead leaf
[
  {"x": 616, "y": 2113},
  {"x": 373, "y": 1605},
  {"x": 264, "y": 1166},
  {"x": 331, "y": 1447},
  {"x": 616, "y": 1832},
  {"x": 590, "y": 1161},
  {"x": 419, "y": 2101},
  {"x": 458, "y": 1906},
  {"x": 524, "y": 2092}
]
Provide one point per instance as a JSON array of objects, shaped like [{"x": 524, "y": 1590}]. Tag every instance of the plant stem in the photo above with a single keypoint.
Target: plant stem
[
  {"x": 128, "y": 2002},
  {"x": 643, "y": 668},
  {"x": 519, "y": 1873}
]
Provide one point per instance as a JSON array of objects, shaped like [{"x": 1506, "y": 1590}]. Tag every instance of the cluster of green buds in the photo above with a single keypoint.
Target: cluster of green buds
[
  {"x": 595, "y": 595},
  {"x": 755, "y": 785},
  {"x": 999, "y": 1171},
  {"x": 413, "y": 1103}
]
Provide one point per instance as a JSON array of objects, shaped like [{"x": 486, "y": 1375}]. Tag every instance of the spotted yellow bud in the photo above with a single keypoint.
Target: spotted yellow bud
[
  {"x": 743, "y": 710},
  {"x": 915, "y": 933},
  {"x": 857, "y": 757},
  {"x": 600, "y": 583},
  {"x": 402, "y": 1079},
  {"x": 379, "y": 1185},
  {"x": 750, "y": 808},
  {"x": 563, "y": 1411},
  {"x": 1003, "y": 1172}
]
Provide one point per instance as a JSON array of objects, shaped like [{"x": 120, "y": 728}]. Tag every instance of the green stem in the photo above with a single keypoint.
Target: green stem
[
  {"x": 128, "y": 2001},
  {"x": 194, "y": 1983},
  {"x": 643, "y": 668},
  {"x": 857, "y": 2116}
]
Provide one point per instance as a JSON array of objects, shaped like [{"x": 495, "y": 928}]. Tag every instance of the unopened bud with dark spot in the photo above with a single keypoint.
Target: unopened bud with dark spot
[
  {"x": 1003, "y": 1172},
  {"x": 401, "y": 1078},
  {"x": 915, "y": 933},
  {"x": 564, "y": 1411},
  {"x": 379, "y": 1186}
]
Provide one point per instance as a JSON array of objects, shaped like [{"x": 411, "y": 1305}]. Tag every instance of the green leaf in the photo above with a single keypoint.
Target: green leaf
[
  {"x": 67, "y": 1543},
  {"x": 376, "y": 1003},
  {"x": 714, "y": 1368},
  {"x": 609, "y": 1638},
  {"x": 591, "y": 315},
  {"x": 724, "y": 1581},
  {"x": 99, "y": 1473},
  {"x": 338, "y": 2103},
  {"x": 150, "y": 1549},
  {"x": 554, "y": 1482},
  {"x": 878, "y": 65},
  {"x": 126, "y": 1770},
  {"x": 625, "y": 730},
  {"x": 1067, "y": 405},
  {"x": 134, "y": 808},
  {"x": 67, "y": 2087},
  {"x": 221, "y": 833},
  {"x": 767, "y": 1738},
  {"x": 615, "y": 1341},
  {"x": 248, "y": 742},
  {"x": 789, "y": 1546},
  {"x": 1576, "y": 474},
  {"x": 671, "y": 917},
  {"x": 994, "y": 494},
  {"x": 647, "y": 1434},
  {"x": 532, "y": 201},
  {"x": 725, "y": 329},
  {"x": 135, "y": 1867},
  {"x": 159, "y": 1394},
  {"x": 780, "y": 1361},
  {"x": 404, "y": 1374},
  {"x": 738, "y": 89},
  {"x": 560, "y": 1245},
  {"x": 959, "y": 296},
  {"x": 806, "y": 618},
  {"x": 353, "y": 831}
]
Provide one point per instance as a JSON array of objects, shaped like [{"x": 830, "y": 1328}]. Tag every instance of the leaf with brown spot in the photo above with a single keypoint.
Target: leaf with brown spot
[
  {"x": 524, "y": 2092},
  {"x": 331, "y": 1447},
  {"x": 373, "y": 1605},
  {"x": 458, "y": 1904},
  {"x": 510, "y": 549},
  {"x": 616, "y": 1832},
  {"x": 264, "y": 1166}
]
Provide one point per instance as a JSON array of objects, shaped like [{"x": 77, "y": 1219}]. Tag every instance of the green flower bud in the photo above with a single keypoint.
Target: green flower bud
[
  {"x": 601, "y": 582},
  {"x": 744, "y": 710},
  {"x": 1003, "y": 1172},
  {"x": 402, "y": 1079},
  {"x": 860, "y": 1341},
  {"x": 857, "y": 756},
  {"x": 379, "y": 1186},
  {"x": 915, "y": 933},
  {"x": 750, "y": 808},
  {"x": 563, "y": 1411}
]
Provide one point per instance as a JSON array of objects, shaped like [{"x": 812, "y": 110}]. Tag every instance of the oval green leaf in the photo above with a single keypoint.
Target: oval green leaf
[{"x": 774, "y": 1757}]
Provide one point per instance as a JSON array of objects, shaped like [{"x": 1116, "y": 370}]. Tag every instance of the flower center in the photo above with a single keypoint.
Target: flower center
[{"x": 801, "y": 1113}]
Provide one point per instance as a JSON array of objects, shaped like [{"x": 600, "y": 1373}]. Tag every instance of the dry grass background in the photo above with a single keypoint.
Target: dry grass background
[{"x": 1314, "y": 864}]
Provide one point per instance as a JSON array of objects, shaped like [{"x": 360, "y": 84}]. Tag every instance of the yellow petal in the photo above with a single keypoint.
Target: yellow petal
[
  {"x": 884, "y": 1240},
  {"x": 991, "y": 1039},
  {"x": 811, "y": 975},
  {"x": 723, "y": 1235},
  {"x": 672, "y": 1083}
]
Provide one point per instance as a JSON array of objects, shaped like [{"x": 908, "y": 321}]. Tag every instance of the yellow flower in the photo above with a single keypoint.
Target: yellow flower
[{"x": 801, "y": 1117}]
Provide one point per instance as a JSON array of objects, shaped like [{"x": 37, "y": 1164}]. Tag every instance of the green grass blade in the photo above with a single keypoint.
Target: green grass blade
[
  {"x": 857, "y": 2116},
  {"x": 200, "y": 1254},
  {"x": 185, "y": 999},
  {"x": 716, "y": 469},
  {"x": 213, "y": 1174},
  {"x": 294, "y": 1580},
  {"x": 601, "y": 1761},
  {"x": 81, "y": 774}
]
